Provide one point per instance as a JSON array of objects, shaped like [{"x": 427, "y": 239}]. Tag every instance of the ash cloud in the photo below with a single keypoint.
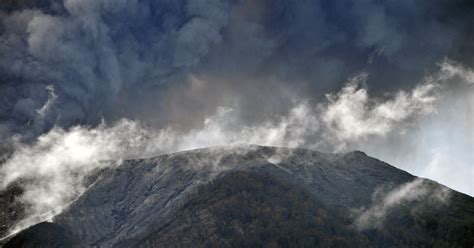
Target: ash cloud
[
  {"x": 109, "y": 59},
  {"x": 96, "y": 53}
]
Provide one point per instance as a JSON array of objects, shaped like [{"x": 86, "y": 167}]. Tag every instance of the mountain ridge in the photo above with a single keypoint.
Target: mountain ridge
[{"x": 148, "y": 202}]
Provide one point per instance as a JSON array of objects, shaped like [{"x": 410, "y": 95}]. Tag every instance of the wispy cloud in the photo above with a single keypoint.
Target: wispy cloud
[
  {"x": 53, "y": 167},
  {"x": 351, "y": 114},
  {"x": 374, "y": 215},
  {"x": 52, "y": 98}
]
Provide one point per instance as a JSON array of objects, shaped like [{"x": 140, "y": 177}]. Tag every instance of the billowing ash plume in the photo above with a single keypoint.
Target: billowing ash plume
[
  {"x": 95, "y": 53},
  {"x": 112, "y": 59},
  {"x": 117, "y": 79}
]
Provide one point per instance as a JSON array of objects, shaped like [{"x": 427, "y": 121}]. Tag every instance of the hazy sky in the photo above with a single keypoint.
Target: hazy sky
[{"x": 88, "y": 80}]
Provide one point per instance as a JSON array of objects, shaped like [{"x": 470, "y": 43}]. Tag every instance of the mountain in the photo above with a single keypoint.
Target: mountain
[{"x": 256, "y": 196}]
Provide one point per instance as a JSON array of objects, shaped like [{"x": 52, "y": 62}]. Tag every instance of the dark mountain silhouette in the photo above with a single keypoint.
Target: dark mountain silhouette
[{"x": 253, "y": 196}]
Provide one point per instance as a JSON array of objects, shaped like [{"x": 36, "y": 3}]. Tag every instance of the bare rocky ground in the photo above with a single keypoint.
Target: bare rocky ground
[{"x": 251, "y": 196}]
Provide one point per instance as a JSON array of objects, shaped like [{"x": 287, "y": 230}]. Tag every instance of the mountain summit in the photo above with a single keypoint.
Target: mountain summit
[{"x": 256, "y": 196}]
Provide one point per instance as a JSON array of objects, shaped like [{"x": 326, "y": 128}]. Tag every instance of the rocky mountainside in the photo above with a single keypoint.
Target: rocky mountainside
[{"x": 259, "y": 196}]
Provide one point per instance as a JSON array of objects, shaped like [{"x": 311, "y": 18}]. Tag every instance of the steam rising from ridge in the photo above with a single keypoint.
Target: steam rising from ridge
[
  {"x": 374, "y": 215},
  {"x": 53, "y": 168}
]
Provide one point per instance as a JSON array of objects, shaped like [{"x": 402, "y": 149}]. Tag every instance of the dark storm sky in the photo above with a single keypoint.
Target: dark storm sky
[{"x": 136, "y": 58}]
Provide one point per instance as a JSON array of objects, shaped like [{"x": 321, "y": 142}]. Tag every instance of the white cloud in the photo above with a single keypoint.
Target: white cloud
[
  {"x": 450, "y": 69},
  {"x": 352, "y": 115}
]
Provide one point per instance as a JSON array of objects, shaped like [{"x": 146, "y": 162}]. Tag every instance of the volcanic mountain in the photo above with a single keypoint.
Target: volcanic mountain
[{"x": 254, "y": 196}]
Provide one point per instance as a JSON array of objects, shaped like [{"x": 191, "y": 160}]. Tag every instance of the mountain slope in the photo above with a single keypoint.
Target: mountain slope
[
  {"x": 266, "y": 196},
  {"x": 44, "y": 235}
]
